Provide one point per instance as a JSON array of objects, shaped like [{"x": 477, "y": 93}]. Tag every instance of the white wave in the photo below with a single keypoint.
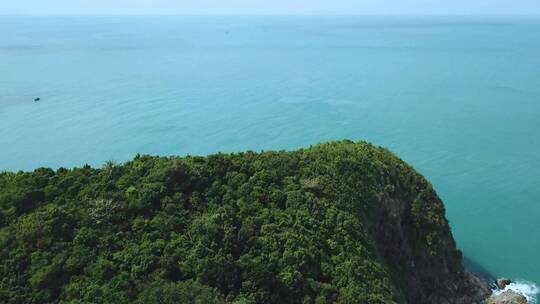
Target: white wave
[{"x": 527, "y": 289}]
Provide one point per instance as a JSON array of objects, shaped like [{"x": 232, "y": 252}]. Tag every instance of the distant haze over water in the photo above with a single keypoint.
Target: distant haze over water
[{"x": 456, "y": 97}]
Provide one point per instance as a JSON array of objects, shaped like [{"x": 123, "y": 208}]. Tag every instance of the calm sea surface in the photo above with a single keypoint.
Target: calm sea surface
[{"x": 456, "y": 97}]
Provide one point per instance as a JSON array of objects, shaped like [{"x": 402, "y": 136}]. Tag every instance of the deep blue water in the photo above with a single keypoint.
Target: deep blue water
[{"x": 456, "y": 97}]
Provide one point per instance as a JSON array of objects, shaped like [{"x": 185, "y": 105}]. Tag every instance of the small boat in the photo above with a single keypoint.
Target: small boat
[{"x": 37, "y": 99}]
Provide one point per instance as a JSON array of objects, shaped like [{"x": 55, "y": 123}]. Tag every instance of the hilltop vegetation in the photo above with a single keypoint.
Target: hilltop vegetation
[{"x": 337, "y": 222}]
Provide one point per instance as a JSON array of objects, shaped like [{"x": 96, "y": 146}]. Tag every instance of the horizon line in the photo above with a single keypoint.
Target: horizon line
[{"x": 315, "y": 14}]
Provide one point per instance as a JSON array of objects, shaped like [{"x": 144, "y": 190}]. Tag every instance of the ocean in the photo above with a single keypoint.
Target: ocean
[{"x": 456, "y": 97}]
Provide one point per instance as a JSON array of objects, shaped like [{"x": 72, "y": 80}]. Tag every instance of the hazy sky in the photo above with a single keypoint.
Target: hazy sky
[{"x": 227, "y": 7}]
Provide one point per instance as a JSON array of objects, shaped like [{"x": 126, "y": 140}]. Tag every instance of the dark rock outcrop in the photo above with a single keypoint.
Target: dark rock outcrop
[{"x": 502, "y": 282}]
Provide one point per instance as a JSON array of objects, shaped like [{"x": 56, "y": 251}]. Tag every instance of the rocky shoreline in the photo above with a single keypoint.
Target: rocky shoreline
[
  {"x": 482, "y": 292},
  {"x": 507, "y": 296}
]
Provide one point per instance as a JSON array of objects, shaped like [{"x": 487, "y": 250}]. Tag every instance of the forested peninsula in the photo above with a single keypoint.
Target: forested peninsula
[{"x": 339, "y": 222}]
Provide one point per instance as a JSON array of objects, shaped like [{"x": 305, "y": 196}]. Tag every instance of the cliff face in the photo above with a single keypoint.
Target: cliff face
[
  {"x": 338, "y": 222},
  {"x": 415, "y": 241}
]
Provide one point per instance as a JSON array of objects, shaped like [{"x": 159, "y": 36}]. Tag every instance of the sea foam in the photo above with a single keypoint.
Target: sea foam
[{"x": 529, "y": 290}]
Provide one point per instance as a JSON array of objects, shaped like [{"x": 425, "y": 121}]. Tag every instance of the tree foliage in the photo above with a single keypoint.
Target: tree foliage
[{"x": 272, "y": 227}]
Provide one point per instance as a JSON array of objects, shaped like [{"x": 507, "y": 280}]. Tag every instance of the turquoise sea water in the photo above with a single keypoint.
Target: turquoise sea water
[{"x": 456, "y": 97}]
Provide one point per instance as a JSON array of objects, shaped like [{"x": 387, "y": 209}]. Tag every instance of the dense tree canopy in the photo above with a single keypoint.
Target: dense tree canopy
[{"x": 275, "y": 227}]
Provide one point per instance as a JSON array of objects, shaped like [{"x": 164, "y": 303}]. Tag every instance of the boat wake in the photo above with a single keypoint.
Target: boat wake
[{"x": 529, "y": 290}]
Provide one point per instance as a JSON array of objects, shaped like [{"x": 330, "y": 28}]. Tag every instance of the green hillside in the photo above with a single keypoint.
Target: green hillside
[{"x": 338, "y": 222}]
